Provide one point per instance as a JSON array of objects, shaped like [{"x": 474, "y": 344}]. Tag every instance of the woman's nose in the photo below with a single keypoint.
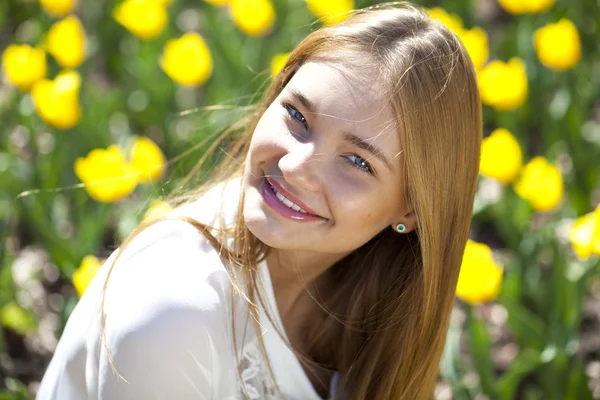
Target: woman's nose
[{"x": 300, "y": 167}]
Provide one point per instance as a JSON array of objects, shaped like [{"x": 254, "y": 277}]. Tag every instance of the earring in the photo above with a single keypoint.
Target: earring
[{"x": 400, "y": 228}]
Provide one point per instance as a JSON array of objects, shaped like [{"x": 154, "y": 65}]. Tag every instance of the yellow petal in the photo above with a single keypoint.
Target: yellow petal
[
  {"x": 558, "y": 45},
  {"x": 331, "y": 12},
  {"x": 480, "y": 277},
  {"x": 148, "y": 159},
  {"x": 253, "y": 17},
  {"x": 503, "y": 85},
  {"x": 24, "y": 65},
  {"x": 501, "y": 156},
  {"x": 187, "y": 60},
  {"x": 581, "y": 235},
  {"x": 85, "y": 273},
  {"x": 58, "y": 8},
  {"x": 145, "y": 19},
  {"x": 66, "y": 42},
  {"x": 278, "y": 62},
  {"x": 541, "y": 184},
  {"x": 57, "y": 101},
  {"x": 106, "y": 175}
]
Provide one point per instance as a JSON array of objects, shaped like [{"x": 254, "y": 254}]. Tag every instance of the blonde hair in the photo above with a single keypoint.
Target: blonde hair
[{"x": 383, "y": 327}]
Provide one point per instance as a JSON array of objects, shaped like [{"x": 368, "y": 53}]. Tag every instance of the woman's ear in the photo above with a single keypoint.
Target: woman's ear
[{"x": 405, "y": 223}]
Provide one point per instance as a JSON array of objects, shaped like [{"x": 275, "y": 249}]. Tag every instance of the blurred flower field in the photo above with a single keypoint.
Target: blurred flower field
[{"x": 105, "y": 106}]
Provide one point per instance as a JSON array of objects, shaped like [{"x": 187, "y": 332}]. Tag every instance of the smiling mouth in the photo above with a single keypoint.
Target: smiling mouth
[
  {"x": 286, "y": 201},
  {"x": 280, "y": 196}
]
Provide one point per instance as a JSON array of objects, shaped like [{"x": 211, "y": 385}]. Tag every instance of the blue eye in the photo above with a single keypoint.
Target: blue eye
[
  {"x": 360, "y": 163},
  {"x": 295, "y": 114}
]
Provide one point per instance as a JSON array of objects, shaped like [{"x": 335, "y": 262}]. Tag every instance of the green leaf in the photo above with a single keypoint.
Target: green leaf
[
  {"x": 525, "y": 325},
  {"x": 481, "y": 349},
  {"x": 17, "y": 318},
  {"x": 526, "y": 362},
  {"x": 450, "y": 366},
  {"x": 577, "y": 383}
]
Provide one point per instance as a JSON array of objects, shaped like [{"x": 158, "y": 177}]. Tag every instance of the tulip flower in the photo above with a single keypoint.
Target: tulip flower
[
  {"x": 106, "y": 175},
  {"x": 278, "y": 62},
  {"x": 57, "y": 101},
  {"x": 501, "y": 156},
  {"x": 503, "y": 85},
  {"x": 66, "y": 42},
  {"x": 541, "y": 184},
  {"x": 558, "y": 45},
  {"x": 253, "y": 17},
  {"x": 331, "y": 12},
  {"x": 24, "y": 65},
  {"x": 147, "y": 159},
  {"x": 146, "y": 19},
  {"x": 475, "y": 39},
  {"x": 518, "y": 7},
  {"x": 452, "y": 21},
  {"x": 85, "y": 273},
  {"x": 480, "y": 277},
  {"x": 585, "y": 235},
  {"x": 58, "y": 8},
  {"x": 187, "y": 60}
]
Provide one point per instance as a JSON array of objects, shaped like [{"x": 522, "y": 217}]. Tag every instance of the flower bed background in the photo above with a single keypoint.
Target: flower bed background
[{"x": 105, "y": 105}]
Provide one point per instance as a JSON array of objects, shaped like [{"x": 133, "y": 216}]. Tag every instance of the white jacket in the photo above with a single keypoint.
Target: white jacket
[{"x": 168, "y": 325}]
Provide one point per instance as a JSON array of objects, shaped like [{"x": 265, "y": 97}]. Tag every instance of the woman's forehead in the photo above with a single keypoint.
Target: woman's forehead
[{"x": 341, "y": 90}]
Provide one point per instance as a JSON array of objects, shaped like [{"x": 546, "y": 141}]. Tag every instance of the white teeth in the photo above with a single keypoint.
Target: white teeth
[{"x": 287, "y": 202}]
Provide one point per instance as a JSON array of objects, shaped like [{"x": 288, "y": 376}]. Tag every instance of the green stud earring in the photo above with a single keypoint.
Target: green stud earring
[{"x": 400, "y": 228}]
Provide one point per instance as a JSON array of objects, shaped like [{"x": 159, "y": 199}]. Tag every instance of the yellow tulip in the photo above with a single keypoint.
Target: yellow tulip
[
  {"x": 66, "y": 42},
  {"x": 452, "y": 21},
  {"x": 480, "y": 277},
  {"x": 145, "y": 19},
  {"x": 475, "y": 41},
  {"x": 147, "y": 159},
  {"x": 106, "y": 175},
  {"x": 518, "y": 7},
  {"x": 541, "y": 184},
  {"x": 58, "y": 8},
  {"x": 278, "y": 62},
  {"x": 187, "y": 60},
  {"x": 85, "y": 273},
  {"x": 332, "y": 11},
  {"x": 57, "y": 101},
  {"x": 253, "y": 17},
  {"x": 558, "y": 45},
  {"x": 501, "y": 156},
  {"x": 24, "y": 65},
  {"x": 503, "y": 85},
  {"x": 157, "y": 208},
  {"x": 585, "y": 235}
]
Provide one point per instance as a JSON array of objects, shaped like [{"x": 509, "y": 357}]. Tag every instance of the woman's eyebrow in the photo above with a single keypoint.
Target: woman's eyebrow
[
  {"x": 302, "y": 99},
  {"x": 349, "y": 137},
  {"x": 361, "y": 143}
]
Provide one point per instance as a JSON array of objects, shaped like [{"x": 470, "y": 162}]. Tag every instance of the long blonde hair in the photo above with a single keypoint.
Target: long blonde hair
[{"x": 385, "y": 311}]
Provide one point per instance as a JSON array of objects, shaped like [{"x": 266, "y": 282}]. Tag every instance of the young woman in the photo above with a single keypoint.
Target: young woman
[{"x": 323, "y": 262}]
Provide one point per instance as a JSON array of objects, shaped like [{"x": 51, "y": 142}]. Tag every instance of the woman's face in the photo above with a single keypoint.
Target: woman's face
[{"x": 329, "y": 145}]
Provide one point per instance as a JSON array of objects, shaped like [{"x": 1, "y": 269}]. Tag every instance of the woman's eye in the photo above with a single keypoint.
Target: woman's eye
[
  {"x": 360, "y": 163},
  {"x": 295, "y": 114}
]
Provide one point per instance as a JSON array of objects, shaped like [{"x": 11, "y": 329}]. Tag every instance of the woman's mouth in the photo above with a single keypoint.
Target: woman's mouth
[{"x": 273, "y": 196}]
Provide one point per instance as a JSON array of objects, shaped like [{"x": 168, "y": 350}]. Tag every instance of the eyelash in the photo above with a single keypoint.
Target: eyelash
[{"x": 294, "y": 113}]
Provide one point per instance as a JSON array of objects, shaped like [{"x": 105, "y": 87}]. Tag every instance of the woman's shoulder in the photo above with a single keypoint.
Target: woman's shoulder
[{"x": 166, "y": 317}]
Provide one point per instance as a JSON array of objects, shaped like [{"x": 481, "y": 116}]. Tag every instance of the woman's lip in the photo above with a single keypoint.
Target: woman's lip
[{"x": 292, "y": 198}]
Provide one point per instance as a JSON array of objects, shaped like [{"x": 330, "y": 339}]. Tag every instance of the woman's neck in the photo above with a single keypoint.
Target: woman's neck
[{"x": 292, "y": 274}]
